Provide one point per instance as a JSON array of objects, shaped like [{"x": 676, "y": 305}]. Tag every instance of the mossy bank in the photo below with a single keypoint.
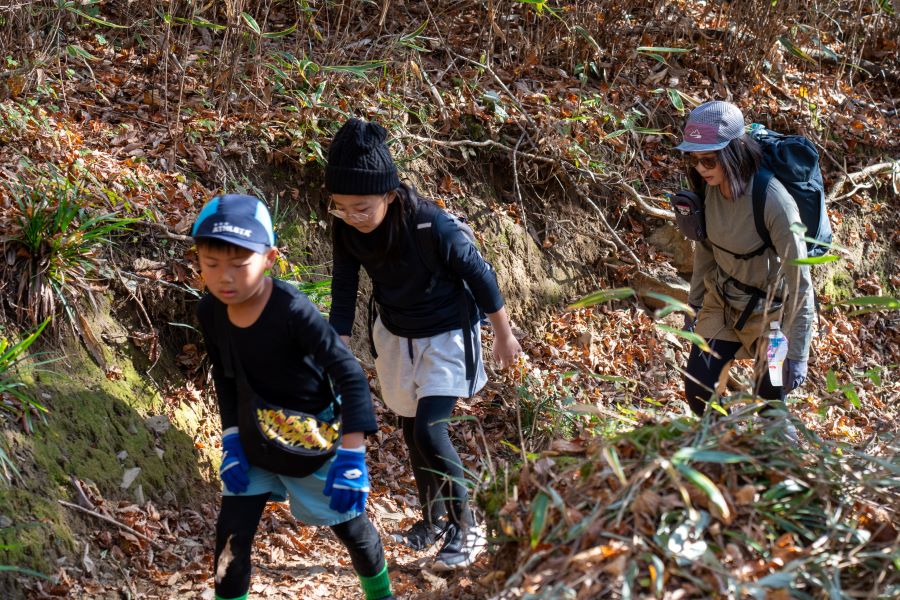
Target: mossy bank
[{"x": 108, "y": 431}]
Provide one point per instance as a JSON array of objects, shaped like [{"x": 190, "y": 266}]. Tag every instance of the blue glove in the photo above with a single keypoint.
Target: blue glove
[
  {"x": 348, "y": 481},
  {"x": 234, "y": 463},
  {"x": 794, "y": 374}
]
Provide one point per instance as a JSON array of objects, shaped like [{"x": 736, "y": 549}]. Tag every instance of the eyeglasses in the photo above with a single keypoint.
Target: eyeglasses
[
  {"x": 708, "y": 162},
  {"x": 352, "y": 217},
  {"x": 349, "y": 217}
]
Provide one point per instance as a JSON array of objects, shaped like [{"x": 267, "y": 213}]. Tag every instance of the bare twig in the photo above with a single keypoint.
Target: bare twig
[
  {"x": 442, "y": 108},
  {"x": 622, "y": 246},
  {"x": 482, "y": 144},
  {"x": 516, "y": 182},
  {"x": 187, "y": 290},
  {"x": 642, "y": 204},
  {"x": 118, "y": 524},
  {"x": 854, "y": 178},
  {"x": 503, "y": 86},
  {"x": 165, "y": 232}
]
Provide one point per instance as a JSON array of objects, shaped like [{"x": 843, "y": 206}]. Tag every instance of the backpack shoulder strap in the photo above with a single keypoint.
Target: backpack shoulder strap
[
  {"x": 760, "y": 186},
  {"x": 426, "y": 213}
]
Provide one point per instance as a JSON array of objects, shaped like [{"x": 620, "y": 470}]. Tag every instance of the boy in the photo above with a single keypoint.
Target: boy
[{"x": 286, "y": 352}]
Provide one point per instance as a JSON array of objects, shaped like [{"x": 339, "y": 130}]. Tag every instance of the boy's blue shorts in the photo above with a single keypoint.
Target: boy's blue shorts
[{"x": 308, "y": 504}]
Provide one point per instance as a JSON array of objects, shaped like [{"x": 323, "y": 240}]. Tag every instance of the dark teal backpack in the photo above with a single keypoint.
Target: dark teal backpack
[{"x": 794, "y": 161}]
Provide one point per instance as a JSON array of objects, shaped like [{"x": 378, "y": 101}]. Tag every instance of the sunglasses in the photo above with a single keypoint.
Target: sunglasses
[{"x": 708, "y": 162}]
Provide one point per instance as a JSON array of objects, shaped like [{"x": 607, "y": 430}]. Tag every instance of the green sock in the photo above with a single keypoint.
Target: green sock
[
  {"x": 244, "y": 597},
  {"x": 378, "y": 586}
]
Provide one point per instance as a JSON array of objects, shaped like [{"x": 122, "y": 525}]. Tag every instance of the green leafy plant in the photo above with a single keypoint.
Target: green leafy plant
[
  {"x": 55, "y": 241},
  {"x": 305, "y": 278},
  {"x": 14, "y": 399}
]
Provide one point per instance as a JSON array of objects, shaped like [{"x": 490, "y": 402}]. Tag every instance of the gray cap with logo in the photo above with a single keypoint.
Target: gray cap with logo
[{"x": 711, "y": 126}]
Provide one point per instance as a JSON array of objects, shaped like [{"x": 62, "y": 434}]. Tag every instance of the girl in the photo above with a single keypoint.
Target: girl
[
  {"x": 427, "y": 324},
  {"x": 740, "y": 283}
]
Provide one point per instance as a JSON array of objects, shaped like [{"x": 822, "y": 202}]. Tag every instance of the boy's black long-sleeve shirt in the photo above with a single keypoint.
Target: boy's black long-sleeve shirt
[
  {"x": 286, "y": 355},
  {"x": 405, "y": 305}
]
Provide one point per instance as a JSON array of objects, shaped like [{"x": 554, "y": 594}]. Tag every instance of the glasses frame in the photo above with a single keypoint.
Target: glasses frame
[
  {"x": 708, "y": 162},
  {"x": 351, "y": 217}
]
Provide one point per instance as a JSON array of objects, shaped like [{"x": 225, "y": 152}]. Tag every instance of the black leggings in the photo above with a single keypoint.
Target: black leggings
[
  {"x": 238, "y": 520},
  {"x": 703, "y": 371},
  {"x": 436, "y": 465}
]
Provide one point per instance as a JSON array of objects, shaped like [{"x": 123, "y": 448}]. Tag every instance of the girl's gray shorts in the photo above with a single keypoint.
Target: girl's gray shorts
[{"x": 413, "y": 368}]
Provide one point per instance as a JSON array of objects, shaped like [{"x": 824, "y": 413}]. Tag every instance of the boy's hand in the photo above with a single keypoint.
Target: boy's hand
[
  {"x": 348, "y": 480},
  {"x": 234, "y": 463},
  {"x": 506, "y": 348}
]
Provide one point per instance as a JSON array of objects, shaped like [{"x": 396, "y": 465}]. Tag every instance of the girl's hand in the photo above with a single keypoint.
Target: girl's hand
[{"x": 506, "y": 348}]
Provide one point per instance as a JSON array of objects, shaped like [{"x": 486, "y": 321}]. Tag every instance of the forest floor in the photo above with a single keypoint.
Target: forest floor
[{"x": 591, "y": 476}]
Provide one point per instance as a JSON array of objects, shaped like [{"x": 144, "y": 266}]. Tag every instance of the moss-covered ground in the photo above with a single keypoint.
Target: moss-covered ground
[{"x": 96, "y": 428}]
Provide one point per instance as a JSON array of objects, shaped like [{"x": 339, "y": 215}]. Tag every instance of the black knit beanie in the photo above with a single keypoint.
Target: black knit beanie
[{"x": 359, "y": 162}]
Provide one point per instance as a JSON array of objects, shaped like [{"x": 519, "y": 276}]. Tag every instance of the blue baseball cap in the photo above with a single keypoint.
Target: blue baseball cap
[
  {"x": 711, "y": 126},
  {"x": 237, "y": 219}
]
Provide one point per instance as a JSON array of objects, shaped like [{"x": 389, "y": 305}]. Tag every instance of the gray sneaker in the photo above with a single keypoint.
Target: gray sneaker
[
  {"x": 461, "y": 548},
  {"x": 421, "y": 535}
]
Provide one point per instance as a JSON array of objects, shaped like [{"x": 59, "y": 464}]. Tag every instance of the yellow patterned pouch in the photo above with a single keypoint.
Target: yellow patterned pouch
[{"x": 298, "y": 429}]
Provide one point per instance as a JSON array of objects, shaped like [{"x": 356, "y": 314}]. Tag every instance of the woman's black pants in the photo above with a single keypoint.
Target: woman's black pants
[{"x": 704, "y": 370}]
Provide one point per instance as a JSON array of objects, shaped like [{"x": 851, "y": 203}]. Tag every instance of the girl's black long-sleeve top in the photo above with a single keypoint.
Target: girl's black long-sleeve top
[
  {"x": 401, "y": 284},
  {"x": 288, "y": 356}
]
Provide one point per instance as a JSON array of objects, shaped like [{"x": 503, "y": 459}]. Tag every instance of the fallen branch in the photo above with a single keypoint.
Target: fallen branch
[
  {"x": 83, "y": 500},
  {"x": 870, "y": 171},
  {"x": 645, "y": 208},
  {"x": 153, "y": 543}
]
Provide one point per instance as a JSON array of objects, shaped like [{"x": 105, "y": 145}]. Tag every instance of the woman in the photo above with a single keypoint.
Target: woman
[
  {"x": 741, "y": 283},
  {"x": 427, "y": 324}
]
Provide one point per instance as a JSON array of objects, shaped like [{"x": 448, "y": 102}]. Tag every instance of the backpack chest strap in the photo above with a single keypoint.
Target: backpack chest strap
[{"x": 744, "y": 256}]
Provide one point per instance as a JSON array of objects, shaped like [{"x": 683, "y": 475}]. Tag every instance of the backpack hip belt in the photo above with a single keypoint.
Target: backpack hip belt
[{"x": 756, "y": 294}]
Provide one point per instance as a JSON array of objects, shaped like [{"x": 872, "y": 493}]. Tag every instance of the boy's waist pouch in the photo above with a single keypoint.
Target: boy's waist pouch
[{"x": 283, "y": 440}]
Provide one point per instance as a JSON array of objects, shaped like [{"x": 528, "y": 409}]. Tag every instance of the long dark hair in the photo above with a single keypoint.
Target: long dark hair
[
  {"x": 740, "y": 160},
  {"x": 398, "y": 213}
]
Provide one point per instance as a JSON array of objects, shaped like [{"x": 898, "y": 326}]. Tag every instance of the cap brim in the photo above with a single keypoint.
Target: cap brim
[
  {"x": 236, "y": 241},
  {"x": 692, "y": 147}
]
